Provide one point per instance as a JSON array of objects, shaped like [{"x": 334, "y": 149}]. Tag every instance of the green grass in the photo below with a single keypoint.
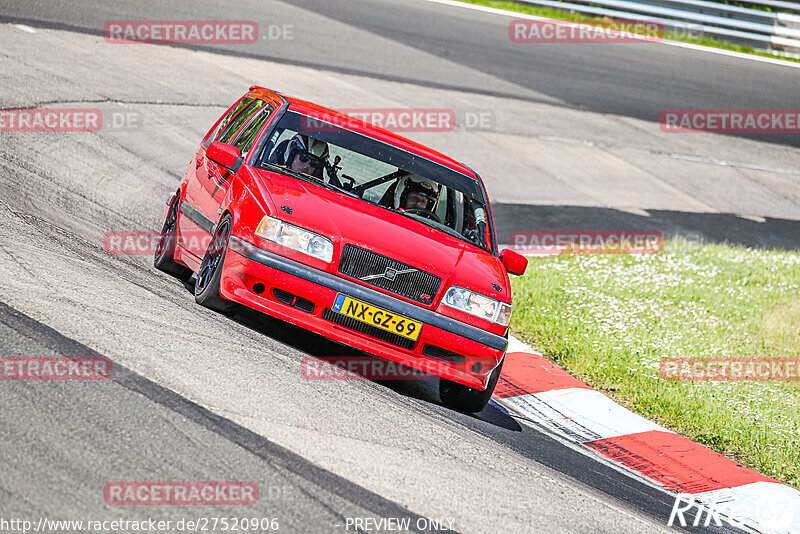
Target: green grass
[
  {"x": 610, "y": 319},
  {"x": 578, "y": 17}
]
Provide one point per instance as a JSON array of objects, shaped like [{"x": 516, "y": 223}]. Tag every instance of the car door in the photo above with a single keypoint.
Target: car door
[
  {"x": 194, "y": 225},
  {"x": 240, "y": 127}
]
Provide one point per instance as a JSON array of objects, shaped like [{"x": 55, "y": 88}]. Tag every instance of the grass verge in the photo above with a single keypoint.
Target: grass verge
[
  {"x": 541, "y": 11},
  {"x": 610, "y": 319}
]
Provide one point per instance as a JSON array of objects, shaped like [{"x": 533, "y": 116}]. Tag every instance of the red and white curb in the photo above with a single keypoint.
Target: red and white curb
[{"x": 545, "y": 394}]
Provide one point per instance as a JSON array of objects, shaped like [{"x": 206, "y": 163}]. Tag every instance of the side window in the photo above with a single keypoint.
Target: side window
[
  {"x": 243, "y": 103},
  {"x": 244, "y": 141},
  {"x": 270, "y": 150},
  {"x": 230, "y": 131}
]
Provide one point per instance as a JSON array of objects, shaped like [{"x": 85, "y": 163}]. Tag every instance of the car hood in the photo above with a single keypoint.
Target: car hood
[{"x": 348, "y": 220}]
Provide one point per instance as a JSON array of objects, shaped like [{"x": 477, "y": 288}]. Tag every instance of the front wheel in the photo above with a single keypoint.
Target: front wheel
[
  {"x": 466, "y": 399},
  {"x": 163, "y": 258},
  {"x": 206, "y": 288}
]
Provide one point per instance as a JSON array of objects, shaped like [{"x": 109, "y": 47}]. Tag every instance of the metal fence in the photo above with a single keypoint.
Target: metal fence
[
  {"x": 777, "y": 31},
  {"x": 778, "y": 5}
]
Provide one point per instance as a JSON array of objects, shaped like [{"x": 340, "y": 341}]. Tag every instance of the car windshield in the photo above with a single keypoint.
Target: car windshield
[{"x": 379, "y": 173}]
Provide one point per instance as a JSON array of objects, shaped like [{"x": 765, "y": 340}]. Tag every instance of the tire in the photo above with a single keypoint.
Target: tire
[
  {"x": 466, "y": 399},
  {"x": 163, "y": 258},
  {"x": 206, "y": 288}
]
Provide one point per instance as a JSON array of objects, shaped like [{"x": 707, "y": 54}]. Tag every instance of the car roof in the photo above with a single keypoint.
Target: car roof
[{"x": 370, "y": 130}]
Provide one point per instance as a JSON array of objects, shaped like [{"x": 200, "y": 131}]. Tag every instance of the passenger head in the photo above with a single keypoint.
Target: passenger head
[{"x": 306, "y": 154}]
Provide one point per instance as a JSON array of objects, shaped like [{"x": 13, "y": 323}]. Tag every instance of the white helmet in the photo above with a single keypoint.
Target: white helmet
[
  {"x": 316, "y": 149},
  {"x": 414, "y": 183}
]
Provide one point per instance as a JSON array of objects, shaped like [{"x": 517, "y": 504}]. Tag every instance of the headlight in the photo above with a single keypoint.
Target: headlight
[
  {"x": 478, "y": 305},
  {"x": 295, "y": 238}
]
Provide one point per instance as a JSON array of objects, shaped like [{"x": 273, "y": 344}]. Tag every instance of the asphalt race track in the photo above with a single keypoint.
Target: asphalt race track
[{"x": 571, "y": 138}]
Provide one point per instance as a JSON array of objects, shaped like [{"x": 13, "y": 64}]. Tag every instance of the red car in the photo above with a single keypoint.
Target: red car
[{"x": 350, "y": 231}]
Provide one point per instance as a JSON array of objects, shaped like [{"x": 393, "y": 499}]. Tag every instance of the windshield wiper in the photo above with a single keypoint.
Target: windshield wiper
[
  {"x": 343, "y": 190},
  {"x": 442, "y": 227},
  {"x": 291, "y": 172}
]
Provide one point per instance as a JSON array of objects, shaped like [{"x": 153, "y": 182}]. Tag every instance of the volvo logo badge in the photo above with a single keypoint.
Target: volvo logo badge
[{"x": 390, "y": 274}]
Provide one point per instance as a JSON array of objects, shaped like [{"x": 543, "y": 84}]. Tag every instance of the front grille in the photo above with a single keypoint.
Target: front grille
[
  {"x": 416, "y": 285},
  {"x": 365, "y": 328}
]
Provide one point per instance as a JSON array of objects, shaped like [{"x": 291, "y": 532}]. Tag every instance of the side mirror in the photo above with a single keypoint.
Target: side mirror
[
  {"x": 225, "y": 155},
  {"x": 513, "y": 262}
]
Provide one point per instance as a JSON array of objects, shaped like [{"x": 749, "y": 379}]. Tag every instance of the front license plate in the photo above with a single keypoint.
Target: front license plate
[{"x": 384, "y": 320}]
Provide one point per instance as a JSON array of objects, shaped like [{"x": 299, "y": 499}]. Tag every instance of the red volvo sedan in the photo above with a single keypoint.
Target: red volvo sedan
[{"x": 349, "y": 231}]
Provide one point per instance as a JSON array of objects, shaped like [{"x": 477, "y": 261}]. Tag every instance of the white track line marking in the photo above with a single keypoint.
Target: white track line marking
[
  {"x": 582, "y": 414},
  {"x": 572, "y": 445},
  {"x": 667, "y": 42},
  {"x": 24, "y": 28},
  {"x": 593, "y": 493},
  {"x": 572, "y": 415},
  {"x": 515, "y": 345}
]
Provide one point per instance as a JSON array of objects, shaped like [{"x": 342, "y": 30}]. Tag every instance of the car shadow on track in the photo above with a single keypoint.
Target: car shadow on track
[{"x": 409, "y": 383}]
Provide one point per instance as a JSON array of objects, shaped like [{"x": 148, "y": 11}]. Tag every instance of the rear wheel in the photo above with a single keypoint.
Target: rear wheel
[
  {"x": 163, "y": 259},
  {"x": 466, "y": 399},
  {"x": 206, "y": 288}
]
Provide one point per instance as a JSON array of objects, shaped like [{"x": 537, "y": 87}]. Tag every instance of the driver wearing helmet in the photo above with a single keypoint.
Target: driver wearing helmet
[
  {"x": 413, "y": 192},
  {"x": 306, "y": 154}
]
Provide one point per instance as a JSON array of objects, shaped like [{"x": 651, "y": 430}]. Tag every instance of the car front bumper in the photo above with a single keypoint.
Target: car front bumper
[{"x": 247, "y": 265}]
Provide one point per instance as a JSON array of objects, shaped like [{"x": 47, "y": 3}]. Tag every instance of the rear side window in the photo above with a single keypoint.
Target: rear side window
[
  {"x": 243, "y": 103},
  {"x": 244, "y": 141},
  {"x": 233, "y": 127}
]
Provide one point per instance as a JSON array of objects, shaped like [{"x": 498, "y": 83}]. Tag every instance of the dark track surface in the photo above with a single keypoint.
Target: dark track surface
[
  {"x": 634, "y": 80},
  {"x": 157, "y": 421},
  {"x": 76, "y": 425},
  {"x": 638, "y": 80},
  {"x": 137, "y": 425}
]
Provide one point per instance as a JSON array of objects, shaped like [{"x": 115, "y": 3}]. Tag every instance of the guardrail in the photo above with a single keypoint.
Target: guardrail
[
  {"x": 775, "y": 31},
  {"x": 780, "y": 5}
]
